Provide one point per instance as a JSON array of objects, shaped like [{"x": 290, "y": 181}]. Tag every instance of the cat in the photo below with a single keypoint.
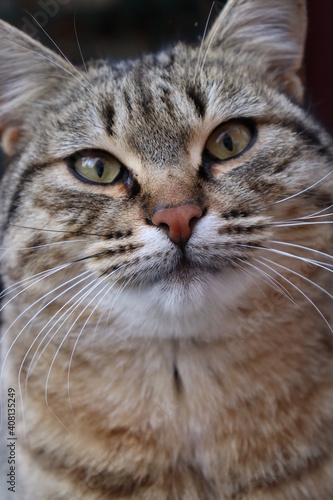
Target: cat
[{"x": 166, "y": 259}]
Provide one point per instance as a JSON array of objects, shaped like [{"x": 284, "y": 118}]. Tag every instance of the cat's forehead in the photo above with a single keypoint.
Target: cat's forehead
[{"x": 152, "y": 105}]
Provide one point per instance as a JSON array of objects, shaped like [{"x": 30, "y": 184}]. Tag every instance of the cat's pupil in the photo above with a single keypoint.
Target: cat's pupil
[
  {"x": 99, "y": 166},
  {"x": 228, "y": 142}
]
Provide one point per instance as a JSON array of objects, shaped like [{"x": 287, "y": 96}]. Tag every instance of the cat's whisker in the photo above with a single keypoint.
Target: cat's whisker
[
  {"x": 291, "y": 197},
  {"x": 317, "y": 263},
  {"x": 288, "y": 198},
  {"x": 214, "y": 31},
  {"x": 44, "y": 276},
  {"x": 270, "y": 280},
  {"x": 40, "y": 333},
  {"x": 33, "y": 363},
  {"x": 300, "y": 276},
  {"x": 61, "y": 231},
  {"x": 253, "y": 276},
  {"x": 300, "y": 291},
  {"x": 18, "y": 284},
  {"x": 108, "y": 288},
  {"x": 53, "y": 62},
  {"x": 45, "y": 245},
  {"x": 25, "y": 326},
  {"x": 202, "y": 42},
  {"x": 58, "y": 49},
  {"x": 98, "y": 283},
  {"x": 302, "y": 247},
  {"x": 77, "y": 41},
  {"x": 87, "y": 276},
  {"x": 296, "y": 223},
  {"x": 81, "y": 294},
  {"x": 321, "y": 211},
  {"x": 310, "y": 217}
]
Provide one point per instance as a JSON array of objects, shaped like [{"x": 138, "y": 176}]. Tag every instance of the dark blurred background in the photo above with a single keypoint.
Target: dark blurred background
[{"x": 127, "y": 28}]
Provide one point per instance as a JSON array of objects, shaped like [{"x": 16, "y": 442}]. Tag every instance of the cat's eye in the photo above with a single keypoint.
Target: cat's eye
[
  {"x": 97, "y": 168},
  {"x": 229, "y": 140}
]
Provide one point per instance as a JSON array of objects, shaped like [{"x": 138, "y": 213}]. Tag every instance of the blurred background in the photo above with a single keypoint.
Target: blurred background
[{"x": 127, "y": 28}]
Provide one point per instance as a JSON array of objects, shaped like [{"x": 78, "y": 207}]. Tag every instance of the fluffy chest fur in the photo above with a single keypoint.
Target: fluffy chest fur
[{"x": 167, "y": 312}]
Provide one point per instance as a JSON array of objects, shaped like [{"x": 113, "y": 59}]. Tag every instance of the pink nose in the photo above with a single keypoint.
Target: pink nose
[{"x": 177, "y": 221}]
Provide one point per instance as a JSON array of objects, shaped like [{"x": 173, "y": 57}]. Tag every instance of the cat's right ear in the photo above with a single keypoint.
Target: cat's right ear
[
  {"x": 270, "y": 34},
  {"x": 28, "y": 71}
]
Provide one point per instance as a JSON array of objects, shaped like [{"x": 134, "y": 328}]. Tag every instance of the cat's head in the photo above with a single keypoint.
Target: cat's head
[{"x": 166, "y": 175}]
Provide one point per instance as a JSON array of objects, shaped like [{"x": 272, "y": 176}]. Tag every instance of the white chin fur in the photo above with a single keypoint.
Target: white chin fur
[{"x": 200, "y": 308}]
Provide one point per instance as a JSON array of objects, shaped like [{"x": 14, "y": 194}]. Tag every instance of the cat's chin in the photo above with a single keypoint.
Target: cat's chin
[{"x": 187, "y": 291}]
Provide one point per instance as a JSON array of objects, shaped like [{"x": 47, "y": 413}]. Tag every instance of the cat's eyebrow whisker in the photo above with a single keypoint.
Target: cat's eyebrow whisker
[
  {"x": 202, "y": 42},
  {"x": 214, "y": 31},
  {"x": 77, "y": 41},
  {"x": 300, "y": 291},
  {"x": 43, "y": 56},
  {"x": 57, "y": 47}
]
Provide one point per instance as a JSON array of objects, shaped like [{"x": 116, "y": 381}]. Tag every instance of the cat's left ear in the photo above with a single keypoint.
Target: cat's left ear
[{"x": 271, "y": 33}]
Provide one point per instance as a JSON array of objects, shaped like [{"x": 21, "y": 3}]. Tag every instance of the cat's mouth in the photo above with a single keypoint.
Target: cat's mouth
[{"x": 187, "y": 270}]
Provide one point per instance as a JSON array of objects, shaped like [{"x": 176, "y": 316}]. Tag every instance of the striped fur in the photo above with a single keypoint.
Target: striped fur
[{"x": 144, "y": 370}]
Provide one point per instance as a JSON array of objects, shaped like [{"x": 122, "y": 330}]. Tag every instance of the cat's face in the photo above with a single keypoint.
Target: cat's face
[{"x": 168, "y": 176}]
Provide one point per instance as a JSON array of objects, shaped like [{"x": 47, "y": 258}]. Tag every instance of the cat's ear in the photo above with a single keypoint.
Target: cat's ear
[
  {"x": 271, "y": 33},
  {"x": 28, "y": 71}
]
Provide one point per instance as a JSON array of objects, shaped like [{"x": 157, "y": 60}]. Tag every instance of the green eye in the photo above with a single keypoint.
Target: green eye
[
  {"x": 101, "y": 169},
  {"x": 229, "y": 140}
]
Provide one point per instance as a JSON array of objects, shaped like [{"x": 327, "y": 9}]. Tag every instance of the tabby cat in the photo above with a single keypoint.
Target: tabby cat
[{"x": 166, "y": 260}]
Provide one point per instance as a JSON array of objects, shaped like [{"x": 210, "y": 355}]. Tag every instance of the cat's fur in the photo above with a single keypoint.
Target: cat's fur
[{"x": 144, "y": 374}]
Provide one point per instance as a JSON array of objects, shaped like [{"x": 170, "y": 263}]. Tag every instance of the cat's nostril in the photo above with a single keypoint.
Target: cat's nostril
[{"x": 178, "y": 222}]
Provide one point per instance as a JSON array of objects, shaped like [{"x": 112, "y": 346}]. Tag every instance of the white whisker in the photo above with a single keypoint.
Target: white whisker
[
  {"x": 300, "y": 276},
  {"x": 300, "y": 291},
  {"x": 303, "y": 190},
  {"x": 271, "y": 281},
  {"x": 36, "y": 338},
  {"x": 9, "y": 289},
  {"x": 59, "y": 50},
  {"x": 287, "y": 254},
  {"x": 215, "y": 30},
  {"x": 202, "y": 42},
  {"x": 55, "y": 63},
  {"x": 294, "y": 245}
]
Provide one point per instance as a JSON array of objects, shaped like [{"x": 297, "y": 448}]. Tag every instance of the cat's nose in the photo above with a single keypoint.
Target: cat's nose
[{"x": 178, "y": 221}]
